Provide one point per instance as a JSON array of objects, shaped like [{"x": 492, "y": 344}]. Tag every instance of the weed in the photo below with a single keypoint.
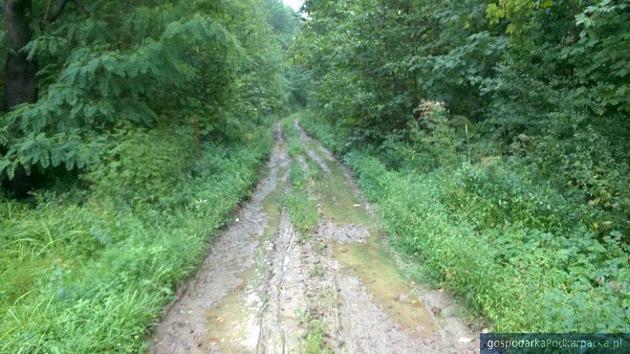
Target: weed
[
  {"x": 520, "y": 252},
  {"x": 314, "y": 340},
  {"x": 316, "y": 271},
  {"x": 92, "y": 277},
  {"x": 302, "y": 207}
]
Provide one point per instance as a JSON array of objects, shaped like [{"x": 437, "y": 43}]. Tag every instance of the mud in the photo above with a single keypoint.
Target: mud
[
  {"x": 217, "y": 309},
  {"x": 342, "y": 233},
  {"x": 308, "y": 143},
  {"x": 285, "y": 293},
  {"x": 266, "y": 289}
]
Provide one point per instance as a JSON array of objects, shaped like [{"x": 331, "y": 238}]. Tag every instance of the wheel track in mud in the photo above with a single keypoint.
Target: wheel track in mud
[{"x": 262, "y": 284}]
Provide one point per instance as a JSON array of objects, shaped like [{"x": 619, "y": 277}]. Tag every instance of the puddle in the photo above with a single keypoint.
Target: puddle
[
  {"x": 367, "y": 257},
  {"x": 234, "y": 324},
  {"x": 271, "y": 207},
  {"x": 247, "y": 295},
  {"x": 338, "y": 202},
  {"x": 377, "y": 271}
]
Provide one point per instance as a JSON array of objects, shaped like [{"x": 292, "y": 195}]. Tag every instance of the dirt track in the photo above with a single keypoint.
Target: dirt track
[{"x": 264, "y": 288}]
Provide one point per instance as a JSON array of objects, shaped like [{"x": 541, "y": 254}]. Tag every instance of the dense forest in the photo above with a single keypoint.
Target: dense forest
[
  {"x": 492, "y": 137},
  {"x": 131, "y": 130}
]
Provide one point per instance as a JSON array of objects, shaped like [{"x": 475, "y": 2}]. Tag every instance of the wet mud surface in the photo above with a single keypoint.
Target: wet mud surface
[{"x": 265, "y": 288}]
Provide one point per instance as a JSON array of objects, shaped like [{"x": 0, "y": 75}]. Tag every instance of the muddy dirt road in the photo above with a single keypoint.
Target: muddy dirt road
[{"x": 265, "y": 287}]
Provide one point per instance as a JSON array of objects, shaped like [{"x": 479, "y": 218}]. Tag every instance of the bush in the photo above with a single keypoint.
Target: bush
[
  {"x": 520, "y": 251},
  {"x": 92, "y": 277},
  {"x": 512, "y": 249},
  {"x": 143, "y": 165}
]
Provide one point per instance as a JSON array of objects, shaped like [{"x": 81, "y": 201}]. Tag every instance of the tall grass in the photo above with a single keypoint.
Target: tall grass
[
  {"x": 90, "y": 273},
  {"x": 516, "y": 249}
]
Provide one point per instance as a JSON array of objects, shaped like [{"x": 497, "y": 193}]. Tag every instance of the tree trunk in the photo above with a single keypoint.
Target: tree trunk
[{"x": 20, "y": 73}]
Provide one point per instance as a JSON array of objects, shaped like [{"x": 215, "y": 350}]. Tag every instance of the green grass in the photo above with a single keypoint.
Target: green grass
[
  {"x": 301, "y": 206},
  {"x": 295, "y": 145},
  {"x": 89, "y": 272},
  {"x": 517, "y": 250},
  {"x": 314, "y": 340}
]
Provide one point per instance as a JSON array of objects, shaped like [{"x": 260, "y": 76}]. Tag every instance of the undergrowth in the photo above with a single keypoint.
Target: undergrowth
[
  {"x": 519, "y": 249},
  {"x": 90, "y": 271}
]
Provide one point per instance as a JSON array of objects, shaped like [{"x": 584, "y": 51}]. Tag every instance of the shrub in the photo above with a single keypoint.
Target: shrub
[
  {"x": 517, "y": 249},
  {"x": 93, "y": 276}
]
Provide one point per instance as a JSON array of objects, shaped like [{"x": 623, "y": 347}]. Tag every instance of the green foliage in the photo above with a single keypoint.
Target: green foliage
[
  {"x": 520, "y": 252},
  {"x": 145, "y": 65},
  {"x": 534, "y": 79},
  {"x": 126, "y": 92},
  {"x": 144, "y": 165},
  {"x": 496, "y": 126},
  {"x": 93, "y": 277},
  {"x": 599, "y": 58}
]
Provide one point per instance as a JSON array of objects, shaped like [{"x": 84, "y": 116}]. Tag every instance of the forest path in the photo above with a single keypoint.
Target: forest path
[{"x": 265, "y": 288}]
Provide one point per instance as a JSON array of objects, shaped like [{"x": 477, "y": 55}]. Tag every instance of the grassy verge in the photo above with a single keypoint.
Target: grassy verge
[
  {"x": 515, "y": 248},
  {"x": 302, "y": 207},
  {"x": 90, "y": 271},
  {"x": 300, "y": 204}
]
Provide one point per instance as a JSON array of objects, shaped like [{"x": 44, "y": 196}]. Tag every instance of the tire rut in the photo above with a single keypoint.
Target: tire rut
[{"x": 264, "y": 288}]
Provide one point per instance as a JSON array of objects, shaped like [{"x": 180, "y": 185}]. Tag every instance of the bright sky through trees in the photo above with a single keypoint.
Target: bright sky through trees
[{"x": 295, "y": 4}]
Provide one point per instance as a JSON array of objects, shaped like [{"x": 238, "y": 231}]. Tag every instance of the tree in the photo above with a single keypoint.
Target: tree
[
  {"x": 20, "y": 70},
  {"x": 117, "y": 66}
]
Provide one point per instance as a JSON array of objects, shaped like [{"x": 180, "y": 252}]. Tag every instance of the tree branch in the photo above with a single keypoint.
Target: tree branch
[
  {"x": 81, "y": 6},
  {"x": 54, "y": 13}
]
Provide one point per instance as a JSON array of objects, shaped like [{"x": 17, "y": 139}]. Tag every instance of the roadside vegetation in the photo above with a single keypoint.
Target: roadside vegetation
[
  {"x": 492, "y": 136},
  {"x": 302, "y": 207},
  {"x": 142, "y": 127},
  {"x": 93, "y": 276},
  {"x": 494, "y": 144}
]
